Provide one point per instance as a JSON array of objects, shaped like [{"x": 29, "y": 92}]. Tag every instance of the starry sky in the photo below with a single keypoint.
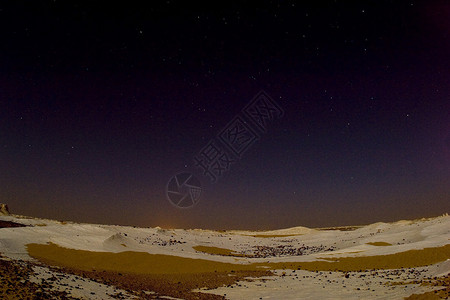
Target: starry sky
[{"x": 101, "y": 104}]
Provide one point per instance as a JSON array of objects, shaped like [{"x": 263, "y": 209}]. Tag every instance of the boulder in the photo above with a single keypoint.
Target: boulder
[{"x": 4, "y": 211}]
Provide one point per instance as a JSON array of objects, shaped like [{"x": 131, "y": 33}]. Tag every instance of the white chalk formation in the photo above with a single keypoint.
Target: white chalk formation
[{"x": 4, "y": 211}]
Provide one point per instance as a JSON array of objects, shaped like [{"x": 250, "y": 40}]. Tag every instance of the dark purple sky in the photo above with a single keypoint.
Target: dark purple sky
[{"x": 100, "y": 105}]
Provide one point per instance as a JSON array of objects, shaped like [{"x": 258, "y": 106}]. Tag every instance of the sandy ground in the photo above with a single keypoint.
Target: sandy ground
[{"x": 65, "y": 260}]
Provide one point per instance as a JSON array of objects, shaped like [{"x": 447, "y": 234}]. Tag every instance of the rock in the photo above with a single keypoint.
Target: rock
[{"x": 4, "y": 211}]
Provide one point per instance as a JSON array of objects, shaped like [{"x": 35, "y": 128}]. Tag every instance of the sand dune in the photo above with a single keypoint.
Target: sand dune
[{"x": 356, "y": 262}]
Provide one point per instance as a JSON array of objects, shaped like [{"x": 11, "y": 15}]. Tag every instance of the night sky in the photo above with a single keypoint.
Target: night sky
[{"x": 101, "y": 104}]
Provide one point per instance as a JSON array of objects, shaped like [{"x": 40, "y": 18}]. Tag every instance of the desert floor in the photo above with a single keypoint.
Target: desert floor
[{"x": 49, "y": 259}]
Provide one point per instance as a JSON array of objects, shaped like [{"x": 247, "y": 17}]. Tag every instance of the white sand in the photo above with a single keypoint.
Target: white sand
[{"x": 403, "y": 235}]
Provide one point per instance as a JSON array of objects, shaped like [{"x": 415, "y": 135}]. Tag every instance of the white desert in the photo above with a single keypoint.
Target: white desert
[{"x": 50, "y": 259}]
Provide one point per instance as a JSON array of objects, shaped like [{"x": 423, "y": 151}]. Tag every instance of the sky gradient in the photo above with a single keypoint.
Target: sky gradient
[{"x": 101, "y": 105}]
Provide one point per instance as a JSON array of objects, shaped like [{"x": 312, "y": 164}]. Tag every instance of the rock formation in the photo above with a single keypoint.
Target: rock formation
[{"x": 4, "y": 211}]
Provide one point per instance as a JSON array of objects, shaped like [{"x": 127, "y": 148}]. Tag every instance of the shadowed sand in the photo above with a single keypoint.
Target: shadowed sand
[
  {"x": 340, "y": 228},
  {"x": 7, "y": 224},
  {"x": 140, "y": 271},
  {"x": 145, "y": 263},
  {"x": 273, "y": 235},
  {"x": 379, "y": 244},
  {"x": 407, "y": 259},
  {"x": 218, "y": 251},
  {"x": 129, "y": 261},
  {"x": 443, "y": 293}
]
